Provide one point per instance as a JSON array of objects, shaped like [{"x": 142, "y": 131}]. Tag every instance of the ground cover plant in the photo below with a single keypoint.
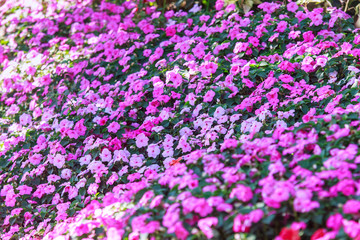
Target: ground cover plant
[{"x": 120, "y": 121}]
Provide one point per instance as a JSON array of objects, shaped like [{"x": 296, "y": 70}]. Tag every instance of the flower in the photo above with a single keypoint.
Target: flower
[
  {"x": 241, "y": 224},
  {"x": 289, "y": 234},
  {"x": 136, "y": 161},
  {"x": 205, "y": 225},
  {"x": 105, "y": 155},
  {"x": 219, "y": 112},
  {"x": 318, "y": 234},
  {"x": 92, "y": 189},
  {"x": 242, "y": 193},
  {"x": 113, "y": 127},
  {"x": 141, "y": 140},
  {"x": 59, "y": 161},
  {"x": 66, "y": 174},
  {"x": 153, "y": 150},
  {"x": 209, "y": 96},
  {"x": 292, "y": 7}
]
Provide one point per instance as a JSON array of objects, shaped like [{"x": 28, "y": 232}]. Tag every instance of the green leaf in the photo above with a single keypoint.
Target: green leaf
[{"x": 269, "y": 219}]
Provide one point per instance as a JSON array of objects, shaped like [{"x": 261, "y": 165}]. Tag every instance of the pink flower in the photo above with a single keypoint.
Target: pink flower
[
  {"x": 59, "y": 161},
  {"x": 148, "y": 28},
  {"x": 287, "y": 66},
  {"x": 308, "y": 36},
  {"x": 156, "y": 201},
  {"x": 85, "y": 160},
  {"x": 96, "y": 167},
  {"x": 272, "y": 96},
  {"x": 205, "y": 225},
  {"x": 151, "y": 227},
  {"x": 334, "y": 221},
  {"x": 241, "y": 47},
  {"x": 351, "y": 207},
  {"x": 72, "y": 134},
  {"x": 170, "y": 30},
  {"x": 93, "y": 188},
  {"x": 82, "y": 229},
  {"x": 168, "y": 152},
  {"x": 344, "y": 132},
  {"x": 136, "y": 160},
  {"x": 292, "y": 7},
  {"x": 153, "y": 150},
  {"x": 114, "y": 233},
  {"x": 281, "y": 26},
  {"x": 147, "y": 52},
  {"x": 35, "y": 159},
  {"x": 10, "y": 199},
  {"x": 24, "y": 190},
  {"x": 256, "y": 215},
  {"x": 73, "y": 192},
  {"x": 219, "y": 112},
  {"x": 351, "y": 228},
  {"x": 103, "y": 120},
  {"x": 113, "y": 127},
  {"x": 175, "y": 78},
  {"x": 321, "y": 61},
  {"x": 286, "y": 78},
  {"x": 280, "y": 194},
  {"x": 199, "y": 50},
  {"x": 254, "y": 41},
  {"x": 66, "y": 174},
  {"x": 141, "y": 140},
  {"x": 242, "y": 192},
  {"x": 25, "y": 119},
  {"x": 12, "y": 110},
  {"x": 31, "y": 71},
  {"x": 229, "y": 143},
  {"x": 209, "y": 96},
  {"x": 241, "y": 224},
  {"x": 105, "y": 155},
  {"x": 202, "y": 207},
  {"x": 191, "y": 98},
  {"x": 180, "y": 231}
]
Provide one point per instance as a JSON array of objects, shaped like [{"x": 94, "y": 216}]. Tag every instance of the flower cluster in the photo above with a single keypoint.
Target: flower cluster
[{"x": 121, "y": 122}]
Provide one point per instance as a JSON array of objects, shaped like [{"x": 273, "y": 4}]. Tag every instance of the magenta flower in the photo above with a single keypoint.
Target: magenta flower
[{"x": 242, "y": 192}]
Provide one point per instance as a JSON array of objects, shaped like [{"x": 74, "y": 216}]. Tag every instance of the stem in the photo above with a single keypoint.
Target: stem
[
  {"x": 164, "y": 4},
  {"x": 264, "y": 229},
  {"x": 346, "y": 5}
]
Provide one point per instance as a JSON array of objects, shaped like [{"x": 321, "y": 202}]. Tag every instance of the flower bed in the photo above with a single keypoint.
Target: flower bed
[{"x": 120, "y": 122}]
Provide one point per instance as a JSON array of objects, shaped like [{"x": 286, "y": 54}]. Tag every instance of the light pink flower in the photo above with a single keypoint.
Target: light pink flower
[
  {"x": 219, "y": 112},
  {"x": 66, "y": 174},
  {"x": 141, "y": 140},
  {"x": 59, "y": 161},
  {"x": 136, "y": 161},
  {"x": 25, "y": 119},
  {"x": 113, "y": 127},
  {"x": 209, "y": 96},
  {"x": 105, "y": 155},
  {"x": 93, "y": 188},
  {"x": 153, "y": 150}
]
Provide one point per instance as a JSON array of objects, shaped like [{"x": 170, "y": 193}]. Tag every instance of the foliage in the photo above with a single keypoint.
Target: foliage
[{"x": 121, "y": 122}]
